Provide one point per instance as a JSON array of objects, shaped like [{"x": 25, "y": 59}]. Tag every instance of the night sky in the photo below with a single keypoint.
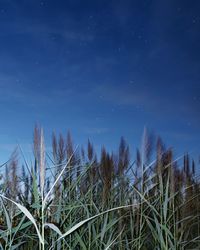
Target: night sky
[{"x": 102, "y": 69}]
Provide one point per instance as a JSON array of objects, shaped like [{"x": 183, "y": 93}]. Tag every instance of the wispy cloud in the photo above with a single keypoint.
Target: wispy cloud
[
  {"x": 181, "y": 136},
  {"x": 152, "y": 100},
  {"x": 96, "y": 130},
  {"x": 130, "y": 96},
  {"x": 15, "y": 91},
  {"x": 69, "y": 32}
]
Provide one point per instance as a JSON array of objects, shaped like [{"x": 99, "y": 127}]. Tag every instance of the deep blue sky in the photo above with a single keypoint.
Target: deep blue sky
[{"x": 101, "y": 69}]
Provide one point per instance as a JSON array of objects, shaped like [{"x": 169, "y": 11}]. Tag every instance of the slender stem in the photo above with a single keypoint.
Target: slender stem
[{"x": 43, "y": 235}]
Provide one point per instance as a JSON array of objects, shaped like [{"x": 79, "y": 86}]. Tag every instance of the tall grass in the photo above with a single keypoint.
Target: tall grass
[{"x": 72, "y": 200}]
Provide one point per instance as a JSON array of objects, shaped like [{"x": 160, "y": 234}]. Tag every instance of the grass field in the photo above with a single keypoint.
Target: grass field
[{"x": 70, "y": 199}]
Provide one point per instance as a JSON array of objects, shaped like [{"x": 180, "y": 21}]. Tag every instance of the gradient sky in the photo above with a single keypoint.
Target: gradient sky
[{"x": 101, "y": 69}]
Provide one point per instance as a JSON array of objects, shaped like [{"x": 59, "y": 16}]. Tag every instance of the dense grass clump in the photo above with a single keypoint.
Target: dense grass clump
[{"x": 70, "y": 199}]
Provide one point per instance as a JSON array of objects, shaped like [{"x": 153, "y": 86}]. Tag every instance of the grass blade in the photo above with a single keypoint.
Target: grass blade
[{"x": 28, "y": 215}]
